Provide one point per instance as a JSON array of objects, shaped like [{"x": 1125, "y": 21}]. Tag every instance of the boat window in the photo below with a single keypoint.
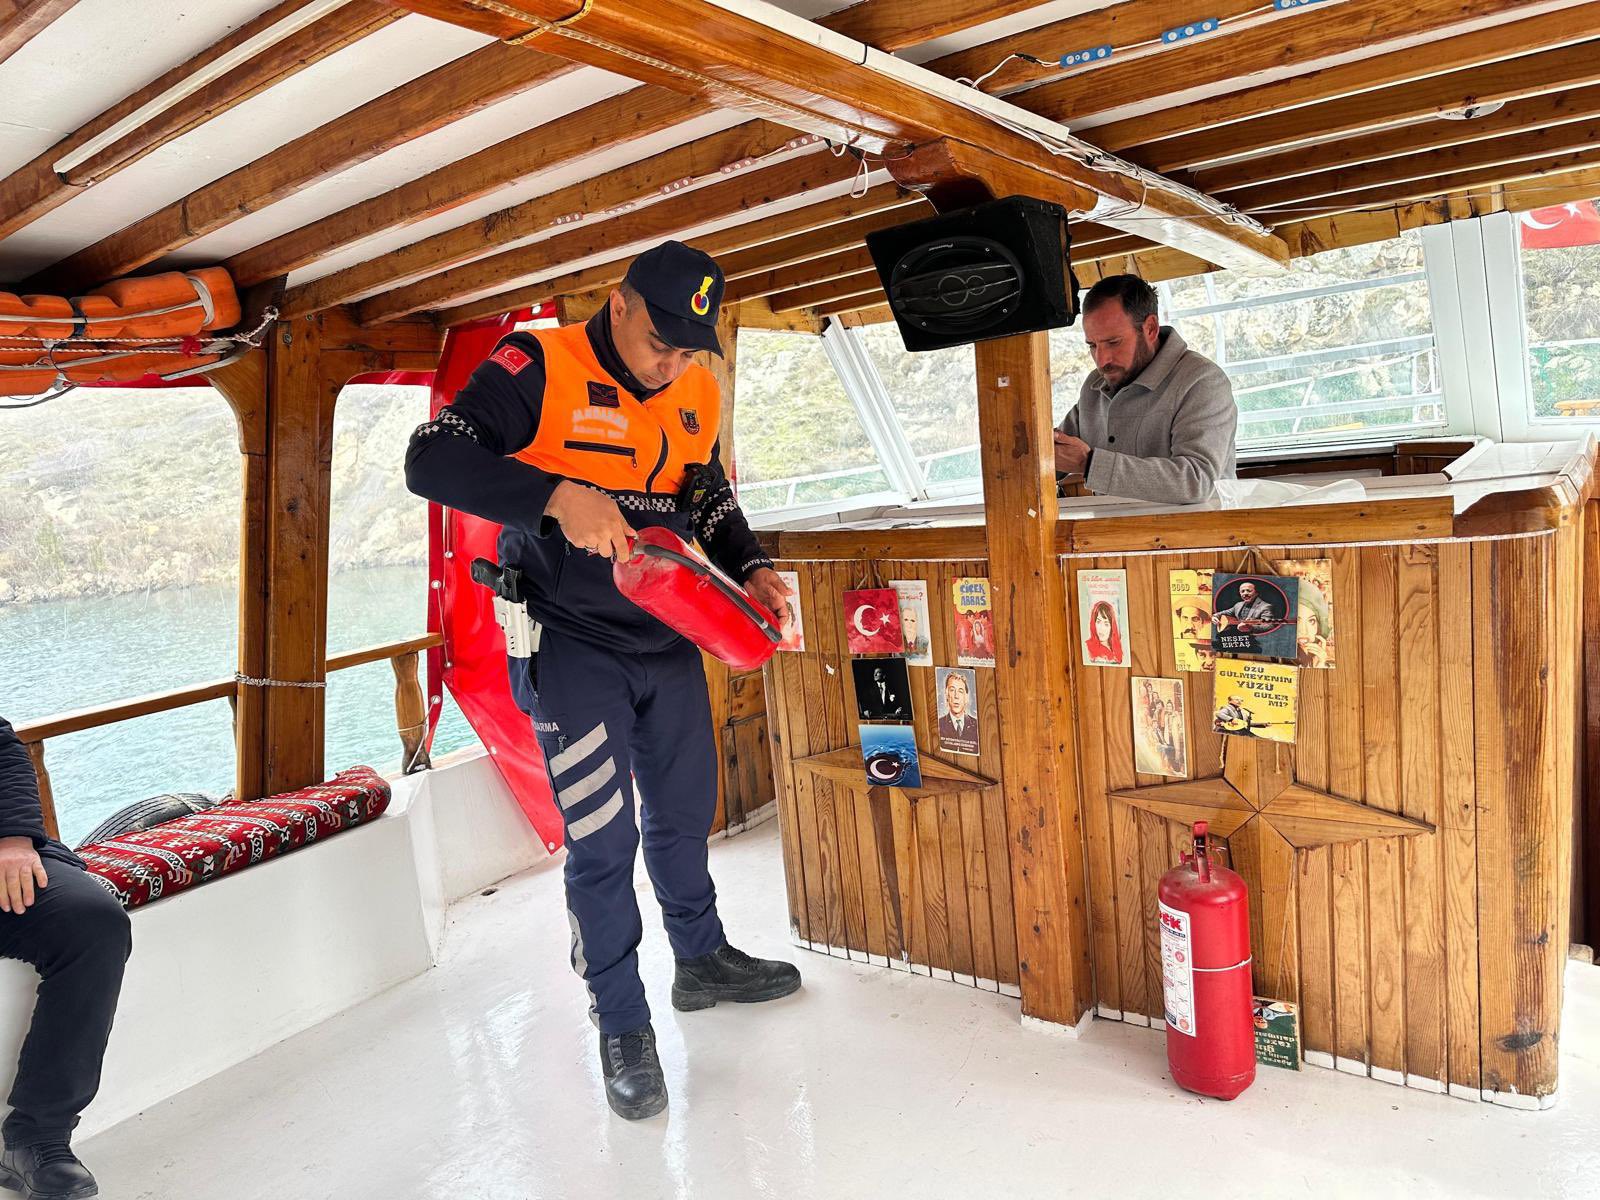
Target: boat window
[
  {"x": 377, "y": 573},
  {"x": 934, "y": 398},
  {"x": 798, "y": 437},
  {"x": 119, "y": 572},
  {"x": 1559, "y": 254}
]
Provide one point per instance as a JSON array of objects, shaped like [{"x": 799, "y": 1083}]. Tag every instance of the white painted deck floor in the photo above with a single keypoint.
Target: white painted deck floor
[{"x": 479, "y": 1081}]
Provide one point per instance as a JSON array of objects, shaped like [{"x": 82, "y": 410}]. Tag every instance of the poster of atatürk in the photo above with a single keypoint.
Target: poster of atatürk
[
  {"x": 794, "y": 634},
  {"x": 974, "y": 623},
  {"x": 1103, "y": 617},
  {"x": 957, "y": 690},
  {"x": 1254, "y": 615},
  {"x": 883, "y": 689},
  {"x": 872, "y": 621},
  {"x": 1313, "y": 638},
  {"x": 1190, "y": 593},
  {"x": 890, "y": 755},
  {"x": 915, "y": 631},
  {"x": 1160, "y": 728},
  {"x": 1256, "y": 699}
]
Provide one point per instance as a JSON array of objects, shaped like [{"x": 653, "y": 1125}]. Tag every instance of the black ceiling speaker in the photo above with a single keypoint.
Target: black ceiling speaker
[{"x": 983, "y": 272}]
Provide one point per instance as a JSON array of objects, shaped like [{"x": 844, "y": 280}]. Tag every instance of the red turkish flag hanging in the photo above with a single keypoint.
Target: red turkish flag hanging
[{"x": 1575, "y": 224}]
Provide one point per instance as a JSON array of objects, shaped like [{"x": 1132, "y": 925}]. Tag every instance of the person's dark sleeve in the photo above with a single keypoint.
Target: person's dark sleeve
[
  {"x": 20, "y": 812},
  {"x": 721, "y": 529},
  {"x": 460, "y": 458}
]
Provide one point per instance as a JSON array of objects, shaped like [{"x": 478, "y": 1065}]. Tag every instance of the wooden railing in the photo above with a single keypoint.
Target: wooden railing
[{"x": 410, "y": 707}]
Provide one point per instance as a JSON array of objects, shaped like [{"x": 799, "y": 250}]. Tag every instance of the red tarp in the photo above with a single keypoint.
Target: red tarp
[
  {"x": 472, "y": 661},
  {"x": 1575, "y": 224}
]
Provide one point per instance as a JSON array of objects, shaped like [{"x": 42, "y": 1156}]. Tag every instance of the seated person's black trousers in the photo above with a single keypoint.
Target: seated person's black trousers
[{"x": 78, "y": 938}]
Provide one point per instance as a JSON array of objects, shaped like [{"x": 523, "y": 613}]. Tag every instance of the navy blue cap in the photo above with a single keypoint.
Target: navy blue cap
[{"x": 682, "y": 289}]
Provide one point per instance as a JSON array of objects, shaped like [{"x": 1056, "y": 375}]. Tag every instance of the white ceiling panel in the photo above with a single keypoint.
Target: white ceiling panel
[
  {"x": 618, "y": 156},
  {"x": 100, "y": 52},
  {"x": 361, "y": 72}
]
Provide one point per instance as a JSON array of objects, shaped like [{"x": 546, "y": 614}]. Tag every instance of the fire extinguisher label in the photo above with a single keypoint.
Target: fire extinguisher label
[{"x": 1177, "y": 969}]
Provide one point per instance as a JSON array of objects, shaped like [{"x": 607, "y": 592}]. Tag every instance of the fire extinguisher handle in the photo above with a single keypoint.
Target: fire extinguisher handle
[{"x": 651, "y": 550}]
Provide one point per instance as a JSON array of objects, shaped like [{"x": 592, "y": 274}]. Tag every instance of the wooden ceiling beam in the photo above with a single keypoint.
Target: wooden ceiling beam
[
  {"x": 1135, "y": 136},
  {"x": 733, "y": 60},
  {"x": 858, "y": 283},
  {"x": 750, "y": 236},
  {"x": 817, "y": 270},
  {"x": 487, "y": 76},
  {"x": 634, "y": 114},
  {"x": 698, "y": 160},
  {"x": 860, "y": 302},
  {"x": 674, "y": 216},
  {"x": 23, "y": 20},
  {"x": 893, "y": 25},
  {"x": 1298, "y": 42},
  {"x": 754, "y": 314},
  {"x": 1534, "y": 112},
  {"x": 814, "y": 243},
  {"x": 37, "y": 188}
]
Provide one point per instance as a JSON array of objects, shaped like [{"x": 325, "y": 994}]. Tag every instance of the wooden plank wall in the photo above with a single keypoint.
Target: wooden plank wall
[
  {"x": 1434, "y": 960},
  {"x": 943, "y": 905}
]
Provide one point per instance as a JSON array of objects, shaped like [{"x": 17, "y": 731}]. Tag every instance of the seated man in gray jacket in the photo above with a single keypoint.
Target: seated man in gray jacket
[{"x": 1155, "y": 421}]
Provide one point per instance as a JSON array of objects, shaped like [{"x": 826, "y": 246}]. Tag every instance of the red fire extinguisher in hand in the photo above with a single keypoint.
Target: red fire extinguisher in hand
[{"x": 1205, "y": 969}]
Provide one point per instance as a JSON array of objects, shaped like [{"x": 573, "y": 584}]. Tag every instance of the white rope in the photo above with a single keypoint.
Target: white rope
[
  {"x": 1438, "y": 541},
  {"x": 251, "y": 681}
]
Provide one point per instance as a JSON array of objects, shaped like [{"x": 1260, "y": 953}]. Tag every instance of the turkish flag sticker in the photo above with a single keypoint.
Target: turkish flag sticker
[{"x": 509, "y": 357}]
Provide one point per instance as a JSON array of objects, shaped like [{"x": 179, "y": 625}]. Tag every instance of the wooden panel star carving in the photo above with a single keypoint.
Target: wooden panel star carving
[{"x": 1266, "y": 817}]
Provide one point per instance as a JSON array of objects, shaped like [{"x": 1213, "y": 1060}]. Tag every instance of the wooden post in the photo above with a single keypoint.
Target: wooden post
[
  {"x": 1037, "y": 726},
  {"x": 410, "y": 713},
  {"x": 47, "y": 796}
]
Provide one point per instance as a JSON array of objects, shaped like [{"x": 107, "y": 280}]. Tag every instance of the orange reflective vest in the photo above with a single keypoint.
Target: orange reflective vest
[{"x": 592, "y": 429}]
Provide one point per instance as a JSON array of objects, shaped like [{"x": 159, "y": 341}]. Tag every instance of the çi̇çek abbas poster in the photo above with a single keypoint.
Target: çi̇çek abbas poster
[
  {"x": 974, "y": 623},
  {"x": 1190, "y": 596},
  {"x": 1313, "y": 638},
  {"x": 1256, "y": 699},
  {"x": 1254, "y": 615}
]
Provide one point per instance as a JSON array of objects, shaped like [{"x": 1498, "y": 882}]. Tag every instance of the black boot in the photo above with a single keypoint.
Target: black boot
[
  {"x": 729, "y": 974},
  {"x": 635, "y": 1086},
  {"x": 49, "y": 1171}
]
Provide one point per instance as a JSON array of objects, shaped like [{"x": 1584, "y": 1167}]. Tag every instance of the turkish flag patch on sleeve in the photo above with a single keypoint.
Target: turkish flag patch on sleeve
[{"x": 509, "y": 357}]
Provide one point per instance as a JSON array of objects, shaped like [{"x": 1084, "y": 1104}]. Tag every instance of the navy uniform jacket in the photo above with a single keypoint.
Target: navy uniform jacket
[{"x": 461, "y": 459}]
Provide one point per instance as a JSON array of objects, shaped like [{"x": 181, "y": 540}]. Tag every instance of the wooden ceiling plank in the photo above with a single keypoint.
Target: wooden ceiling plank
[
  {"x": 698, "y": 159},
  {"x": 615, "y": 121},
  {"x": 671, "y": 217},
  {"x": 1533, "y": 112},
  {"x": 859, "y": 283},
  {"x": 1170, "y": 127},
  {"x": 893, "y": 25},
  {"x": 859, "y": 303},
  {"x": 750, "y": 236},
  {"x": 23, "y": 20},
  {"x": 37, "y": 188},
  {"x": 814, "y": 243},
  {"x": 1512, "y": 153},
  {"x": 1300, "y": 42},
  {"x": 817, "y": 270},
  {"x": 458, "y": 89},
  {"x": 734, "y": 60}
]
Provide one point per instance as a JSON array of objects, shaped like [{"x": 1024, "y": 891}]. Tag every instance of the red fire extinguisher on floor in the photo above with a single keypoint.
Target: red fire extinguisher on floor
[{"x": 1205, "y": 968}]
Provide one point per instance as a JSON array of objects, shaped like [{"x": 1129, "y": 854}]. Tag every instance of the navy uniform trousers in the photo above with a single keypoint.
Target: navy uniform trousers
[{"x": 602, "y": 716}]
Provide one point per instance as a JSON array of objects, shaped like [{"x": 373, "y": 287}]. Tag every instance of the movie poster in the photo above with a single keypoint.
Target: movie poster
[
  {"x": 916, "y": 633},
  {"x": 1103, "y": 617},
  {"x": 957, "y": 690},
  {"x": 883, "y": 689},
  {"x": 872, "y": 621},
  {"x": 1190, "y": 594},
  {"x": 1160, "y": 730},
  {"x": 1254, "y": 615},
  {"x": 1313, "y": 638},
  {"x": 890, "y": 755},
  {"x": 1256, "y": 699},
  {"x": 794, "y": 634},
  {"x": 974, "y": 623}
]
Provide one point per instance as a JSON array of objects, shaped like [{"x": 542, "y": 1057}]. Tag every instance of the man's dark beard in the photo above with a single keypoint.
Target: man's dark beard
[{"x": 1145, "y": 356}]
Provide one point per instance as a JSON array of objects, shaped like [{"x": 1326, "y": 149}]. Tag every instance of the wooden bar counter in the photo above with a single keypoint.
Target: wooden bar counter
[{"x": 1410, "y": 857}]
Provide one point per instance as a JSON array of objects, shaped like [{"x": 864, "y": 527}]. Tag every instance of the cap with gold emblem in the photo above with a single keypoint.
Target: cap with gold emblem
[{"x": 682, "y": 289}]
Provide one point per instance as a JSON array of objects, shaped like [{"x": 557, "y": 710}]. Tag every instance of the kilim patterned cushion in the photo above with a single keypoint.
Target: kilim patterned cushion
[{"x": 140, "y": 867}]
